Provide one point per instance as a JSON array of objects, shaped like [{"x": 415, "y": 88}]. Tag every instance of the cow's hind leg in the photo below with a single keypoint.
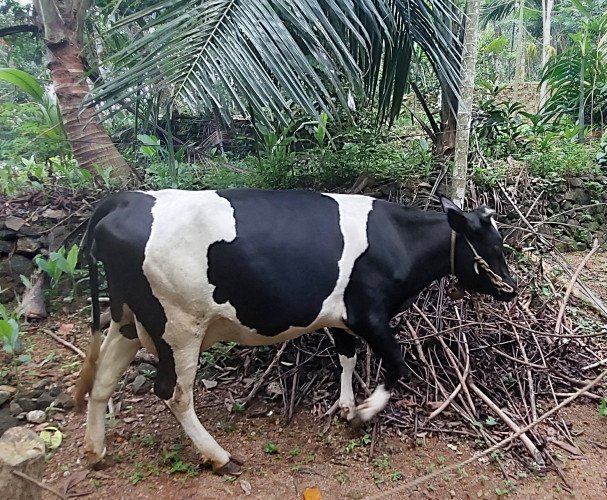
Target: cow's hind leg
[
  {"x": 345, "y": 345},
  {"x": 117, "y": 352},
  {"x": 182, "y": 406}
]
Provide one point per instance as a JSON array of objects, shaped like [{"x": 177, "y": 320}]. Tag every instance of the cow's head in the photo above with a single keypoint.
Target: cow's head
[{"x": 477, "y": 253}]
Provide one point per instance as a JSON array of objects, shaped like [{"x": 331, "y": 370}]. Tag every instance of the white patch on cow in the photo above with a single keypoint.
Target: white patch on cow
[
  {"x": 373, "y": 404},
  {"x": 353, "y": 216},
  {"x": 185, "y": 224},
  {"x": 347, "y": 404}
]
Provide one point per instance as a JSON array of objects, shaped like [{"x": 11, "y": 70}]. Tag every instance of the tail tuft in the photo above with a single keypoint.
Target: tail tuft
[{"x": 86, "y": 377}]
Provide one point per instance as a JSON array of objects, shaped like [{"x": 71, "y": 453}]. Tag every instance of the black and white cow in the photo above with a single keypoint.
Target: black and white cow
[{"x": 188, "y": 269}]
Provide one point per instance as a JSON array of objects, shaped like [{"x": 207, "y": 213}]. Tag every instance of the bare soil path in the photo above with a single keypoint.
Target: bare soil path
[{"x": 154, "y": 459}]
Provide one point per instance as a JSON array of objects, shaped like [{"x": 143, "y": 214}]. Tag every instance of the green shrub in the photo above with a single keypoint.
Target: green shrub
[{"x": 560, "y": 157}]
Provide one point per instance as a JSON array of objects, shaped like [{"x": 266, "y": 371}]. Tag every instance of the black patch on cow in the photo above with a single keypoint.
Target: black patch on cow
[
  {"x": 283, "y": 262},
  {"x": 129, "y": 331},
  {"x": 122, "y": 227}
]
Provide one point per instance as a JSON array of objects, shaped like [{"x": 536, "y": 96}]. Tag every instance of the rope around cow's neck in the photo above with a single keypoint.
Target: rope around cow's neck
[{"x": 495, "y": 278}]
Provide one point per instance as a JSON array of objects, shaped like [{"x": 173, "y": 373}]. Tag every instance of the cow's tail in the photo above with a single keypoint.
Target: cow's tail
[{"x": 86, "y": 377}]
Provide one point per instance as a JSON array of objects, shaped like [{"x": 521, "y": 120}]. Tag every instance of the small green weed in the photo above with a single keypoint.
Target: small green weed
[
  {"x": 395, "y": 476},
  {"x": 176, "y": 464},
  {"x": 341, "y": 477},
  {"x": 294, "y": 451},
  {"x": 382, "y": 463},
  {"x": 602, "y": 408},
  {"x": 355, "y": 443},
  {"x": 270, "y": 448},
  {"x": 10, "y": 334},
  {"x": 59, "y": 264}
]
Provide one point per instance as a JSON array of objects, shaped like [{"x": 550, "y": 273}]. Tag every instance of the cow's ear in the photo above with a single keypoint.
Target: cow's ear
[{"x": 457, "y": 219}]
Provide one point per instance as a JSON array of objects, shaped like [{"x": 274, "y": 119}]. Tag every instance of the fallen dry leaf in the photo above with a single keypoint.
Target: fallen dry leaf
[
  {"x": 246, "y": 486},
  {"x": 311, "y": 494},
  {"x": 65, "y": 329},
  {"x": 73, "y": 479},
  {"x": 52, "y": 437},
  {"x": 209, "y": 384}
]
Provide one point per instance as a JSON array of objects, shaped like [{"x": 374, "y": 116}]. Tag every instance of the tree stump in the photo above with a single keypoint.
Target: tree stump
[{"x": 21, "y": 450}]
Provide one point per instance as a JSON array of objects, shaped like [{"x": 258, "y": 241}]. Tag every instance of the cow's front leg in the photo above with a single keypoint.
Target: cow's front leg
[
  {"x": 382, "y": 342},
  {"x": 345, "y": 345},
  {"x": 182, "y": 405}
]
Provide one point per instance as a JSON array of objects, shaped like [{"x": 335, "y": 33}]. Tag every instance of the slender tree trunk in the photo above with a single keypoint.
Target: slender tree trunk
[
  {"x": 464, "y": 113},
  {"x": 582, "y": 100},
  {"x": 547, "y": 6},
  {"x": 519, "y": 69},
  {"x": 445, "y": 145},
  {"x": 62, "y": 23}
]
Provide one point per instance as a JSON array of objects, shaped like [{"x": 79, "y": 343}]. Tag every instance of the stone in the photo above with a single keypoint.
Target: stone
[
  {"x": 55, "y": 391},
  {"x": 44, "y": 401},
  {"x": 22, "y": 450},
  {"x": 36, "y": 393},
  {"x": 4, "y": 397},
  {"x": 15, "y": 409},
  {"x": 7, "y": 420},
  {"x": 140, "y": 385},
  {"x": 28, "y": 246},
  {"x": 49, "y": 213},
  {"x": 26, "y": 404},
  {"x": 36, "y": 417},
  {"x": 15, "y": 266},
  {"x": 31, "y": 230},
  {"x": 6, "y": 247},
  {"x": 42, "y": 384},
  {"x": 64, "y": 401},
  {"x": 146, "y": 368},
  {"x": 14, "y": 223},
  {"x": 7, "y": 235},
  {"x": 576, "y": 182}
]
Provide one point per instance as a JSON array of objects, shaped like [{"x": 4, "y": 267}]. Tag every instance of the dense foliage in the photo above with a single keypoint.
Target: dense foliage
[{"x": 174, "y": 144}]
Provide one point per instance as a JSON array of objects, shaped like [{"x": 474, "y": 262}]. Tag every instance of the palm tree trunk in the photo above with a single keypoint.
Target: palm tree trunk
[
  {"x": 91, "y": 145},
  {"x": 464, "y": 113},
  {"x": 62, "y": 23}
]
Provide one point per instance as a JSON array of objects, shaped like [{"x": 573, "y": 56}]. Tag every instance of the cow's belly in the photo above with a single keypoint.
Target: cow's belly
[{"x": 224, "y": 330}]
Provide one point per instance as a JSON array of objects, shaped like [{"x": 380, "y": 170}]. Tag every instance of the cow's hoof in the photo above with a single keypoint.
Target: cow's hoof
[
  {"x": 237, "y": 459},
  {"x": 356, "y": 422},
  {"x": 104, "y": 463},
  {"x": 347, "y": 413},
  {"x": 231, "y": 469}
]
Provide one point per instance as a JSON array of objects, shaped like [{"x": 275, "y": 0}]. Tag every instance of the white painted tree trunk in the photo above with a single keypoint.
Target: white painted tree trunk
[
  {"x": 464, "y": 114},
  {"x": 547, "y": 6}
]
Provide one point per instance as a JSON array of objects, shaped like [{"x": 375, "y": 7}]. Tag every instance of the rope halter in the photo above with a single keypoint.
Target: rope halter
[{"x": 496, "y": 279}]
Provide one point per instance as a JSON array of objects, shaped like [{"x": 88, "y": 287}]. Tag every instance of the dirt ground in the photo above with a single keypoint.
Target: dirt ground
[{"x": 154, "y": 459}]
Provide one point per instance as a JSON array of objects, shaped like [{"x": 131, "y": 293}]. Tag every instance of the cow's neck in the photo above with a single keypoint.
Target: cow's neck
[{"x": 430, "y": 251}]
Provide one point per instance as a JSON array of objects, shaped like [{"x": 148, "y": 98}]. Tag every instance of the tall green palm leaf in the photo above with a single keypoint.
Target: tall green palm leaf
[{"x": 261, "y": 56}]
